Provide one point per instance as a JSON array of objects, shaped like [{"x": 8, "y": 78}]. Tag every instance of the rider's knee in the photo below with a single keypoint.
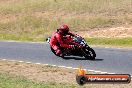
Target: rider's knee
[{"x": 58, "y": 52}]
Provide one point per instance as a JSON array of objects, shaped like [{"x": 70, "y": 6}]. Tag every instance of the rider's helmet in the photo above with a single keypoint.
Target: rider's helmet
[{"x": 64, "y": 29}]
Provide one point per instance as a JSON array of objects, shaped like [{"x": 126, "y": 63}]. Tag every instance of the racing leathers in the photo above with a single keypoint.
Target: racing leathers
[{"x": 57, "y": 40}]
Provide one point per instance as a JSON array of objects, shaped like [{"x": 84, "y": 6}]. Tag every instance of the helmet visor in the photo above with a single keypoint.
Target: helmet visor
[{"x": 66, "y": 31}]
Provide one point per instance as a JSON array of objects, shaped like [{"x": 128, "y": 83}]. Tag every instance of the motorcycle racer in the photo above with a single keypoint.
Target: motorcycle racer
[{"x": 60, "y": 39}]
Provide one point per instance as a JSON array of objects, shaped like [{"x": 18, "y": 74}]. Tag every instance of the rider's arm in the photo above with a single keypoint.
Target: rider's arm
[
  {"x": 60, "y": 40},
  {"x": 71, "y": 34}
]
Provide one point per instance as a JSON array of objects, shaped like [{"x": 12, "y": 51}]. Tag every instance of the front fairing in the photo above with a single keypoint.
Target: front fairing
[{"x": 80, "y": 41}]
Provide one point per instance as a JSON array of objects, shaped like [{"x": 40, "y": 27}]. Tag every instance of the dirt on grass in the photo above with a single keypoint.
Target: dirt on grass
[
  {"x": 119, "y": 32},
  {"x": 47, "y": 74}
]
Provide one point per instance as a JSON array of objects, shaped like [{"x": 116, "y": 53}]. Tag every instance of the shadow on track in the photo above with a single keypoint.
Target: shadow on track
[
  {"x": 97, "y": 59},
  {"x": 81, "y": 58}
]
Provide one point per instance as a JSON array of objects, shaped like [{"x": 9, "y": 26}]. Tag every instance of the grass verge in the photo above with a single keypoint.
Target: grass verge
[
  {"x": 12, "y": 81},
  {"x": 121, "y": 42},
  {"x": 126, "y": 42}
]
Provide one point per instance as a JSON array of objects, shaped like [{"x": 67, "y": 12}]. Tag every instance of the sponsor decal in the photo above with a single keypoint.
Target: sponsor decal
[{"x": 82, "y": 78}]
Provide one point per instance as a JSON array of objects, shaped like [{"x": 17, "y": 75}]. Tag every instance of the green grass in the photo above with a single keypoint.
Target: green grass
[
  {"x": 32, "y": 28},
  {"x": 91, "y": 6},
  {"x": 12, "y": 81},
  {"x": 34, "y": 20},
  {"x": 110, "y": 41}
]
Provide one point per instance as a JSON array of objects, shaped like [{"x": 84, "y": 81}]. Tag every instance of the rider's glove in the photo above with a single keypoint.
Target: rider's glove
[
  {"x": 78, "y": 35},
  {"x": 80, "y": 46},
  {"x": 72, "y": 46}
]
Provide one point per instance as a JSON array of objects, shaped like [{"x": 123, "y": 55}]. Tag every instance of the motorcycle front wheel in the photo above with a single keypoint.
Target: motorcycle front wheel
[{"x": 89, "y": 53}]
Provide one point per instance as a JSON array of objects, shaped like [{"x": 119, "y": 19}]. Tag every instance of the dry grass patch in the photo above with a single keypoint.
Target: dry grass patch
[
  {"x": 39, "y": 72},
  {"x": 118, "y": 32}
]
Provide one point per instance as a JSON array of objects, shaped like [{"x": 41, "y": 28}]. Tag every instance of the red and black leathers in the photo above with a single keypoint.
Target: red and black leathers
[{"x": 57, "y": 40}]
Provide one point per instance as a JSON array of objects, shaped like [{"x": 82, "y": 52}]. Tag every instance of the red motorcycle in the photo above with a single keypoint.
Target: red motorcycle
[{"x": 85, "y": 51}]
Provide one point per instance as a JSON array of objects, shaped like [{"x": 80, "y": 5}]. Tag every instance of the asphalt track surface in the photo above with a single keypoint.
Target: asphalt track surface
[{"x": 109, "y": 60}]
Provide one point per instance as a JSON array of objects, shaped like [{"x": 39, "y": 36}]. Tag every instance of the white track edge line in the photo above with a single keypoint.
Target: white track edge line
[
  {"x": 59, "y": 66},
  {"x": 62, "y": 66},
  {"x": 45, "y": 64},
  {"x": 91, "y": 70},
  {"x": 104, "y": 72},
  {"x": 21, "y": 61},
  {"x": 68, "y": 67},
  {"x": 75, "y": 68},
  {"x": 37, "y": 63},
  {"x": 97, "y": 71},
  {"x": 54, "y": 65},
  {"x": 28, "y": 62},
  {"x": 3, "y": 59}
]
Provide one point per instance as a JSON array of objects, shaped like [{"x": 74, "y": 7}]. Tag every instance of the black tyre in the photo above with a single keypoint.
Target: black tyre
[{"x": 89, "y": 53}]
